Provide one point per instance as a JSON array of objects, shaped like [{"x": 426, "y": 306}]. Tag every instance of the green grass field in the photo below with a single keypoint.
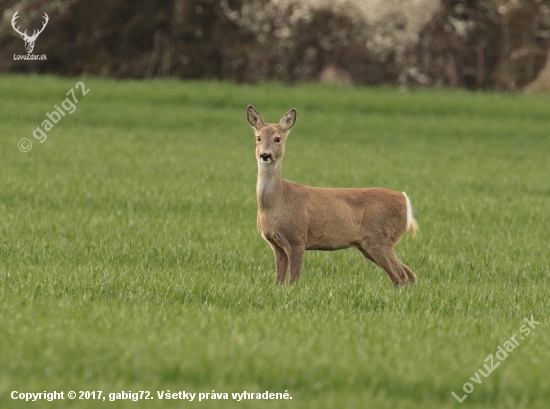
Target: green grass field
[{"x": 130, "y": 259}]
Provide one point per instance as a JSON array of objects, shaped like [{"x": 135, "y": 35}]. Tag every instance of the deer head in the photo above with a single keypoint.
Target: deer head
[
  {"x": 270, "y": 138},
  {"x": 29, "y": 40}
]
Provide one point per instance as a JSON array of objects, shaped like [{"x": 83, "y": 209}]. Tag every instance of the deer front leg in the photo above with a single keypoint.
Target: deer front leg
[
  {"x": 296, "y": 256},
  {"x": 281, "y": 263}
]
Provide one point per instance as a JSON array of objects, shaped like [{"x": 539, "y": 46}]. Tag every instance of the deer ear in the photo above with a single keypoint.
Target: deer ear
[
  {"x": 254, "y": 118},
  {"x": 288, "y": 121}
]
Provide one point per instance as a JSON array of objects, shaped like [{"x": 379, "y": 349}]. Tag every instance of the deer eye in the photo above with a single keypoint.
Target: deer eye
[
  {"x": 277, "y": 140},
  {"x": 258, "y": 139}
]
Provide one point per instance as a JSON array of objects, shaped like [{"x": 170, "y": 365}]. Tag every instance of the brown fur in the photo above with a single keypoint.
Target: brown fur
[{"x": 293, "y": 218}]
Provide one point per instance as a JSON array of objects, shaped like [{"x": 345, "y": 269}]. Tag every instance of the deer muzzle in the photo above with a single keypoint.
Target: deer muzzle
[{"x": 266, "y": 157}]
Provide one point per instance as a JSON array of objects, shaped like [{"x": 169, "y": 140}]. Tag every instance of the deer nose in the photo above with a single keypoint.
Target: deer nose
[{"x": 265, "y": 157}]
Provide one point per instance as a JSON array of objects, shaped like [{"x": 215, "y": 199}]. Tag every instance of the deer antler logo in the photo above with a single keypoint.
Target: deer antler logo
[{"x": 29, "y": 40}]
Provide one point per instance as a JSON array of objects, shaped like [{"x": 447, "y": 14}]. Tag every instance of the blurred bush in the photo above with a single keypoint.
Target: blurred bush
[
  {"x": 499, "y": 44},
  {"x": 477, "y": 44}
]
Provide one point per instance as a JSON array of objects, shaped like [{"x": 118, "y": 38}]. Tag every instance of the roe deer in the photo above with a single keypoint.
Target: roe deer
[{"x": 293, "y": 218}]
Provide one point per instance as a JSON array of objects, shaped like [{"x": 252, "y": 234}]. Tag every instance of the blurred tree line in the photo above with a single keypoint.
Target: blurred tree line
[{"x": 475, "y": 44}]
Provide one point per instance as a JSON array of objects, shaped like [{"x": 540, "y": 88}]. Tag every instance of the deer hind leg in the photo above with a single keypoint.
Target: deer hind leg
[
  {"x": 410, "y": 275},
  {"x": 385, "y": 259},
  {"x": 281, "y": 262},
  {"x": 389, "y": 262},
  {"x": 365, "y": 253}
]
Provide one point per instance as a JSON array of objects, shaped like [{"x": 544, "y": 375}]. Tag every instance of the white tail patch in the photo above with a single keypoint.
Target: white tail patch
[
  {"x": 409, "y": 211},
  {"x": 411, "y": 223}
]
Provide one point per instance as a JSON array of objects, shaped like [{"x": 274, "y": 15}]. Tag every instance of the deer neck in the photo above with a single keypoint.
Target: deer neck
[{"x": 269, "y": 186}]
